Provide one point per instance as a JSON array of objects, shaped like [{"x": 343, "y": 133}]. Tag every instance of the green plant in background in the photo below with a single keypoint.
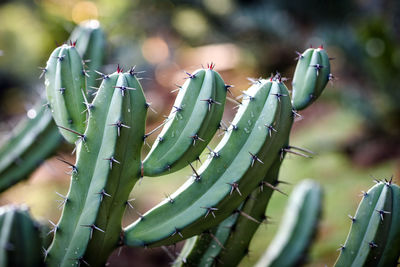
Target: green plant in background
[
  {"x": 20, "y": 238},
  {"x": 225, "y": 191}
]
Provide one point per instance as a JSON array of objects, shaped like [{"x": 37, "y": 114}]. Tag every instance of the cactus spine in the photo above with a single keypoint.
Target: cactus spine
[
  {"x": 244, "y": 154},
  {"x": 20, "y": 243},
  {"x": 66, "y": 90},
  {"x": 299, "y": 225},
  {"x": 100, "y": 181},
  {"x": 374, "y": 237},
  {"x": 312, "y": 73},
  {"x": 192, "y": 122}
]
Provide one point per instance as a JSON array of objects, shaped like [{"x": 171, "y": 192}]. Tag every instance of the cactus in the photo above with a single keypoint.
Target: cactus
[
  {"x": 101, "y": 182},
  {"x": 90, "y": 44},
  {"x": 66, "y": 90},
  {"x": 36, "y": 139},
  {"x": 312, "y": 73},
  {"x": 374, "y": 237},
  {"x": 203, "y": 250},
  {"x": 246, "y": 152},
  {"x": 192, "y": 122},
  {"x": 299, "y": 225},
  {"x": 20, "y": 243}
]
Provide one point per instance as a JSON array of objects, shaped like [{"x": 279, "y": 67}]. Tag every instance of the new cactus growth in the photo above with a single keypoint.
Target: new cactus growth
[
  {"x": 20, "y": 243},
  {"x": 192, "y": 122},
  {"x": 299, "y": 225},
  {"x": 312, "y": 73},
  {"x": 66, "y": 90},
  {"x": 374, "y": 237},
  {"x": 90, "y": 44},
  {"x": 36, "y": 138}
]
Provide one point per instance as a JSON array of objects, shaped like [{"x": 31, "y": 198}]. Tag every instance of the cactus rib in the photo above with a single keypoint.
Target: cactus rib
[
  {"x": 299, "y": 225},
  {"x": 374, "y": 237},
  {"x": 191, "y": 124},
  {"x": 102, "y": 181},
  {"x": 235, "y": 160}
]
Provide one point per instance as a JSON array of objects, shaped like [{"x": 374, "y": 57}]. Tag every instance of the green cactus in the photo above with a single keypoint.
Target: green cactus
[
  {"x": 203, "y": 250},
  {"x": 101, "y": 182},
  {"x": 36, "y": 139},
  {"x": 313, "y": 71},
  {"x": 20, "y": 243},
  {"x": 90, "y": 44},
  {"x": 192, "y": 122},
  {"x": 374, "y": 237},
  {"x": 65, "y": 81},
  {"x": 299, "y": 225},
  {"x": 244, "y": 154}
]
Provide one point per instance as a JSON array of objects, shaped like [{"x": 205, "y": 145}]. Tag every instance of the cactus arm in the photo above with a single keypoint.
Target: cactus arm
[
  {"x": 34, "y": 141},
  {"x": 20, "y": 243},
  {"x": 191, "y": 124},
  {"x": 310, "y": 77},
  {"x": 120, "y": 185},
  {"x": 373, "y": 237},
  {"x": 90, "y": 44},
  {"x": 243, "y": 230},
  {"x": 198, "y": 200},
  {"x": 299, "y": 224},
  {"x": 99, "y": 161},
  {"x": 65, "y": 81},
  {"x": 204, "y": 249}
]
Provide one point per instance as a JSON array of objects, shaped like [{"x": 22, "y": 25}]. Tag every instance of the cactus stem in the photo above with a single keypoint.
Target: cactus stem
[
  {"x": 209, "y": 210},
  {"x": 112, "y": 160},
  {"x": 234, "y": 186},
  {"x": 254, "y": 158},
  {"x": 177, "y": 232},
  {"x": 119, "y": 125},
  {"x": 215, "y": 239},
  {"x": 195, "y": 138}
]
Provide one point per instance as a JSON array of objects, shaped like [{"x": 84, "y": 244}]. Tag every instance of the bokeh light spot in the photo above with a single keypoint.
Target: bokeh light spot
[
  {"x": 31, "y": 114},
  {"x": 190, "y": 23},
  {"x": 155, "y": 50},
  {"x": 83, "y": 11},
  {"x": 375, "y": 47},
  {"x": 220, "y": 7}
]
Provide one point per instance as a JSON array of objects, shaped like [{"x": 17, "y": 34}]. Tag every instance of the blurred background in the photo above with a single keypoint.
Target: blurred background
[{"x": 354, "y": 128}]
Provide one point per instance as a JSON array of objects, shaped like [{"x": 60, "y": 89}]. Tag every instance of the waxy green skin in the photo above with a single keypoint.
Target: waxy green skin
[
  {"x": 308, "y": 82},
  {"x": 175, "y": 145},
  {"x": 34, "y": 141},
  {"x": 90, "y": 44},
  {"x": 20, "y": 243},
  {"x": 242, "y": 232},
  {"x": 86, "y": 204},
  {"x": 65, "y": 88},
  {"x": 188, "y": 212},
  {"x": 202, "y": 250},
  {"x": 299, "y": 225},
  {"x": 368, "y": 226}
]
